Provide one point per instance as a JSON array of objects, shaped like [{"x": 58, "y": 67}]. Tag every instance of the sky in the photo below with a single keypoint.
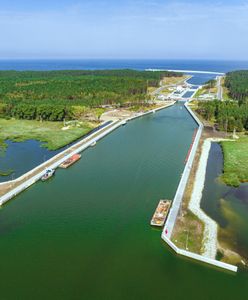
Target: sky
[{"x": 154, "y": 29}]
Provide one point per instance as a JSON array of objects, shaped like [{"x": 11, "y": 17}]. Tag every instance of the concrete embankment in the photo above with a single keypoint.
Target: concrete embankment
[
  {"x": 10, "y": 189},
  {"x": 184, "y": 179},
  {"x": 20, "y": 184},
  {"x": 171, "y": 220}
]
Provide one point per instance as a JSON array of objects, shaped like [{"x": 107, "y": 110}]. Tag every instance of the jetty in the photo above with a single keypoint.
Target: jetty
[
  {"x": 10, "y": 189},
  {"x": 177, "y": 202}
]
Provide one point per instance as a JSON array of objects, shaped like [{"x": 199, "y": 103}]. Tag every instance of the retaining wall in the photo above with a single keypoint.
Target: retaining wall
[
  {"x": 53, "y": 165},
  {"x": 90, "y": 139},
  {"x": 177, "y": 201},
  {"x": 200, "y": 258}
]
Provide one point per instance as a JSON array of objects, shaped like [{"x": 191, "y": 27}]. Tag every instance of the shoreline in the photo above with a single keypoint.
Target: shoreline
[
  {"x": 177, "y": 203},
  {"x": 211, "y": 242}
]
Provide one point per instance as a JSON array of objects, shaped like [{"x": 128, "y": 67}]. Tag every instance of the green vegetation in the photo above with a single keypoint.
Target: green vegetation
[
  {"x": 54, "y": 95},
  {"x": 176, "y": 78},
  {"x": 188, "y": 234},
  {"x": 237, "y": 85},
  {"x": 208, "y": 88},
  {"x": 3, "y": 147},
  {"x": 50, "y": 133},
  {"x": 228, "y": 115},
  {"x": 210, "y": 84},
  {"x": 6, "y": 173},
  {"x": 235, "y": 161}
]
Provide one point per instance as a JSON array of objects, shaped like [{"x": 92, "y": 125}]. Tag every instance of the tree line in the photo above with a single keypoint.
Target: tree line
[
  {"x": 227, "y": 115},
  {"x": 49, "y": 95},
  {"x": 237, "y": 85}
]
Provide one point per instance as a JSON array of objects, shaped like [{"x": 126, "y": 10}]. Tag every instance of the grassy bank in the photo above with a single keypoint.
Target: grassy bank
[
  {"x": 188, "y": 234},
  {"x": 235, "y": 161},
  {"x": 50, "y": 133}
]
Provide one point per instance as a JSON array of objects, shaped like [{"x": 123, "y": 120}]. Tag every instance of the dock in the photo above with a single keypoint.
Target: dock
[
  {"x": 177, "y": 201},
  {"x": 12, "y": 188}
]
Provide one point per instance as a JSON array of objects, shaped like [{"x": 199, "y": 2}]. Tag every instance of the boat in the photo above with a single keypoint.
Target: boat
[
  {"x": 93, "y": 144},
  {"x": 124, "y": 123},
  {"x": 161, "y": 213},
  {"x": 49, "y": 173},
  {"x": 70, "y": 161}
]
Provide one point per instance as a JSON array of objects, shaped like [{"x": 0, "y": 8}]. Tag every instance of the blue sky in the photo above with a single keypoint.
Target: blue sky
[{"x": 124, "y": 29}]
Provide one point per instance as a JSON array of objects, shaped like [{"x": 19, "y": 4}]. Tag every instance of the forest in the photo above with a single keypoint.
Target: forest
[
  {"x": 237, "y": 84},
  {"x": 51, "y": 95},
  {"x": 228, "y": 115}
]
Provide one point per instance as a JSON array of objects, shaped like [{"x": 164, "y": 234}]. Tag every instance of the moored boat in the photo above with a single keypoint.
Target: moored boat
[
  {"x": 93, "y": 144},
  {"x": 161, "y": 213},
  {"x": 70, "y": 161},
  {"x": 49, "y": 173}
]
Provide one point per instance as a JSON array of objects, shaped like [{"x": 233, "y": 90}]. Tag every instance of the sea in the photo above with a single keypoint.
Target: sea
[{"x": 136, "y": 64}]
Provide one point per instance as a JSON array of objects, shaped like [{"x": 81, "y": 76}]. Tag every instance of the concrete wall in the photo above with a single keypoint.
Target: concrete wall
[
  {"x": 90, "y": 139},
  {"x": 87, "y": 142},
  {"x": 169, "y": 225},
  {"x": 198, "y": 257},
  {"x": 171, "y": 220}
]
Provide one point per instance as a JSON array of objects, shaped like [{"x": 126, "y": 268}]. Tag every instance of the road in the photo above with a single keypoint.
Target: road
[{"x": 219, "y": 87}]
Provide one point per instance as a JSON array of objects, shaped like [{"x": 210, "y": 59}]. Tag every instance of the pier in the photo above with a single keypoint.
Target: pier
[
  {"x": 177, "y": 201},
  {"x": 10, "y": 189}
]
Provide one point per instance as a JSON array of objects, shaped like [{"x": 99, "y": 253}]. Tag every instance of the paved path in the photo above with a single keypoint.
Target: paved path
[
  {"x": 10, "y": 189},
  {"x": 219, "y": 87},
  {"x": 177, "y": 201}
]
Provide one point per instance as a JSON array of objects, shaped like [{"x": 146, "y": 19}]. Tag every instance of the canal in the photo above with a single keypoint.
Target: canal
[{"x": 86, "y": 235}]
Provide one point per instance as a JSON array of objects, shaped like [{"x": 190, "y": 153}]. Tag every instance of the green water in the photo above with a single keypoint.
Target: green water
[{"x": 86, "y": 233}]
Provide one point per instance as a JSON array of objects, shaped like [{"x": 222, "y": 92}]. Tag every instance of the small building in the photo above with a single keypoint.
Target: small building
[
  {"x": 162, "y": 97},
  {"x": 180, "y": 89}
]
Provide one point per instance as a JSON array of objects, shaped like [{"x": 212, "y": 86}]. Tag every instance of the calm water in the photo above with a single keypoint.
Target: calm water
[
  {"x": 90, "y": 64},
  {"x": 188, "y": 94},
  {"x": 228, "y": 206},
  {"x": 86, "y": 235},
  {"x": 21, "y": 157}
]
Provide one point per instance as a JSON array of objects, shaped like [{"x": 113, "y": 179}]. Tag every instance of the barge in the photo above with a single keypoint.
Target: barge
[
  {"x": 70, "y": 161},
  {"x": 161, "y": 213}
]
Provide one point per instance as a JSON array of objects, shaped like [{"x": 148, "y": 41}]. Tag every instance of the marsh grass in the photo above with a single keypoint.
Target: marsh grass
[
  {"x": 50, "y": 133},
  {"x": 235, "y": 161}
]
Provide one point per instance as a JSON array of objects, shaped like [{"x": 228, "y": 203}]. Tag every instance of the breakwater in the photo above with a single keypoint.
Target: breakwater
[
  {"x": 177, "y": 202},
  {"x": 25, "y": 181}
]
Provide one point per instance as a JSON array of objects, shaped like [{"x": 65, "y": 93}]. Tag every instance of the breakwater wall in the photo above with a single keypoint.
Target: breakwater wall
[
  {"x": 52, "y": 163},
  {"x": 177, "y": 201},
  {"x": 29, "y": 178}
]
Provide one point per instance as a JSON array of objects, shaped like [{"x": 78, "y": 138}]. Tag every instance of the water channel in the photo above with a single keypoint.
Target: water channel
[{"x": 85, "y": 234}]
